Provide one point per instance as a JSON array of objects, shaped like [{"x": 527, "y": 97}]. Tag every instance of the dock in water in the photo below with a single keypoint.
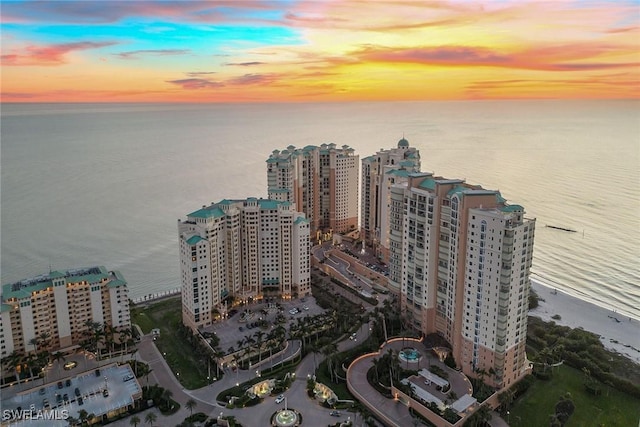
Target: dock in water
[{"x": 561, "y": 228}]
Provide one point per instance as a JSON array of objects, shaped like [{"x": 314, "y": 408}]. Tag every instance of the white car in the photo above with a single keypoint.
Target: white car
[{"x": 279, "y": 399}]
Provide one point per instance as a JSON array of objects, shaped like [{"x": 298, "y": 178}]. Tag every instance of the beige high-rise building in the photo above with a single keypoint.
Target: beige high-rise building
[
  {"x": 251, "y": 249},
  {"x": 51, "y": 311},
  {"x": 379, "y": 172},
  {"x": 460, "y": 259},
  {"x": 322, "y": 182}
]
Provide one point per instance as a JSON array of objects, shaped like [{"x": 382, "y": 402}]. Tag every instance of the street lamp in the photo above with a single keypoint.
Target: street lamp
[{"x": 508, "y": 417}]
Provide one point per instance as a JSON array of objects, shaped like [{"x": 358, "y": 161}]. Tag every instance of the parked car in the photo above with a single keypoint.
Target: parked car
[
  {"x": 77, "y": 391},
  {"x": 127, "y": 377},
  {"x": 335, "y": 413},
  {"x": 97, "y": 372},
  {"x": 45, "y": 403},
  {"x": 279, "y": 399},
  {"x": 70, "y": 365},
  {"x": 42, "y": 391},
  {"x": 80, "y": 400},
  {"x": 65, "y": 398},
  {"x": 67, "y": 383},
  {"x": 105, "y": 392},
  {"x": 60, "y": 385}
]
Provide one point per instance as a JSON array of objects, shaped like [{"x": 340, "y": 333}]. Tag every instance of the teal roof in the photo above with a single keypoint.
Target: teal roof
[
  {"x": 9, "y": 292},
  {"x": 501, "y": 200},
  {"x": 301, "y": 219},
  {"x": 428, "y": 184},
  {"x": 399, "y": 172},
  {"x": 513, "y": 208},
  {"x": 225, "y": 202},
  {"x": 193, "y": 240},
  {"x": 269, "y": 204},
  {"x": 210, "y": 212},
  {"x": 407, "y": 163},
  {"x": 272, "y": 160},
  {"x": 403, "y": 143},
  {"x": 6, "y": 307},
  {"x": 458, "y": 189},
  {"x": 369, "y": 159},
  {"x": 118, "y": 281},
  {"x": 24, "y": 288}
]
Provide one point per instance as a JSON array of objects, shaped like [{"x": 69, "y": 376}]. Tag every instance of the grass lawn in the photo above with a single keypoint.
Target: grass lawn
[
  {"x": 167, "y": 316},
  {"x": 612, "y": 408}
]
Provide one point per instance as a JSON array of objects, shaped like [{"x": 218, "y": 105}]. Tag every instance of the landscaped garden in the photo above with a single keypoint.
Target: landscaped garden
[
  {"x": 537, "y": 405},
  {"x": 184, "y": 353}
]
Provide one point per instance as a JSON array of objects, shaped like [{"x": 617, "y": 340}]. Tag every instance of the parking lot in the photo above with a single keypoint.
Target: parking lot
[
  {"x": 97, "y": 391},
  {"x": 244, "y": 322}
]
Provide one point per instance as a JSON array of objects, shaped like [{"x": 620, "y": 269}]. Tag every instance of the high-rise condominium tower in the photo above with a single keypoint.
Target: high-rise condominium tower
[
  {"x": 52, "y": 311},
  {"x": 460, "y": 258},
  {"x": 249, "y": 249},
  {"x": 379, "y": 172},
  {"x": 322, "y": 182}
]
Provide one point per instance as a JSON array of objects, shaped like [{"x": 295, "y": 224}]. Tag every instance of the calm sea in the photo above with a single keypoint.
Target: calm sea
[{"x": 104, "y": 184}]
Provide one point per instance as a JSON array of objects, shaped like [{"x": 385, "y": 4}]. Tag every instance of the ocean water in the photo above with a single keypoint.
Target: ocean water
[{"x": 104, "y": 184}]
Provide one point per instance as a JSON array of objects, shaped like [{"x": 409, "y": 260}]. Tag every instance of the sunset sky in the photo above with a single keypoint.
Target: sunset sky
[{"x": 273, "y": 51}]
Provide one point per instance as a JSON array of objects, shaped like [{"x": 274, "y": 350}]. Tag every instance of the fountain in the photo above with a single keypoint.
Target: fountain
[
  {"x": 286, "y": 418},
  {"x": 410, "y": 355}
]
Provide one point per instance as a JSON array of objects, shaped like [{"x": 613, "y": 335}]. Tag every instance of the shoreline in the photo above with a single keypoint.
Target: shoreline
[{"x": 618, "y": 332}]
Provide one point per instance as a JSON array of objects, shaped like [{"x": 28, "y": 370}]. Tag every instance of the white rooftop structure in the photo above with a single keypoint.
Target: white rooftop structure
[
  {"x": 463, "y": 403},
  {"x": 430, "y": 377}
]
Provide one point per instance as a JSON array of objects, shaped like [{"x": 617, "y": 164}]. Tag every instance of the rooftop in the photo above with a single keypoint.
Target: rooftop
[{"x": 23, "y": 288}]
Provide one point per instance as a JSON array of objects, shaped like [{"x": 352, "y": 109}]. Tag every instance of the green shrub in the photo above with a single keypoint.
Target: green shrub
[{"x": 198, "y": 417}]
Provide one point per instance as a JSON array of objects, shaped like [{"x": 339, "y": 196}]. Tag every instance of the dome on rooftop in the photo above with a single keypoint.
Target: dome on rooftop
[{"x": 403, "y": 143}]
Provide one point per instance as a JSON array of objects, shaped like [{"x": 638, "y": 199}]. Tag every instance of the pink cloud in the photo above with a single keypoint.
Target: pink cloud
[
  {"x": 253, "y": 79},
  {"x": 245, "y": 64},
  {"x": 196, "y": 84},
  {"x": 48, "y": 55},
  {"x": 552, "y": 58},
  {"x": 133, "y": 54}
]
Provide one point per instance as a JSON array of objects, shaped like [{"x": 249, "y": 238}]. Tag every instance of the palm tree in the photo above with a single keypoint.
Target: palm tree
[
  {"x": 259, "y": 335},
  {"x": 14, "y": 359},
  {"x": 190, "y": 404},
  {"x": 134, "y": 421},
  {"x": 150, "y": 418},
  {"x": 376, "y": 363},
  {"x": 167, "y": 395},
  {"x": 34, "y": 342},
  {"x": 329, "y": 351}
]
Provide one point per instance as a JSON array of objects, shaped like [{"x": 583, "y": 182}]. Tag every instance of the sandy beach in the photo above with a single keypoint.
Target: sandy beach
[{"x": 617, "y": 332}]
